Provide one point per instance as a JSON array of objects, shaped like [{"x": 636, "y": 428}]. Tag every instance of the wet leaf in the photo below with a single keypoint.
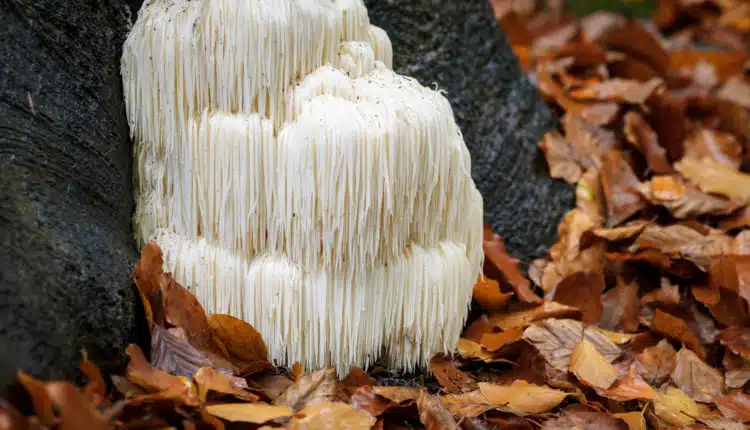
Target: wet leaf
[
  {"x": 713, "y": 177},
  {"x": 523, "y": 396},
  {"x": 495, "y": 340},
  {"x": 524, "y": 318},
  {"x": 489, "y": 296},
  {"x": 256, "y": 413},
  {"x": 737, "y": 339},
  {"x": 433, "y": 414},
  {"x": 696, "y": 378},
  {"x": 316, "y": 388},
  {"x": 335, "y": 415},
  {"x": 676, "y": 329},
  {"x": 208, "y": 379},
  {"x": 656, "y": 363},
  {"x": 620, "y": 307},
  {"x": 591, "y": 367},
  {"x": 243, "y": 343},
  {"x": 508, "y": 267},
  {"x": 620, "y": 188},
  {"x": 560, "y": 159},
  {"x": 555, "y": 340},
  {"x": 735, "y": 406},
  {"x": 76, "y": 412},
  {"x": 582, "y": 290},
  {"x": 450, "y": 377}
]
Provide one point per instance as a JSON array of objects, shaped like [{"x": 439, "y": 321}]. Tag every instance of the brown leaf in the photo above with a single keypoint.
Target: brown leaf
[
  {"x": 740, "y": 219},
  {"x": 683, "y": 200},
  {"x": 560, "y": 159},
  {"x": 95, "y": 388},
  {"x": 620, "y": 307},
  {"x": 676, "y": 329},
  {"x": 467, "y": 405},
  {"x": 433, "y": 414},
  {"x": 450, "y": 377},
  {"x": 713, "y": 177},
  {"x": 620, "y": 188},
  {"x": 629, "y": 387},
  {"x": 618, "y": 90},
  {"x": 555, "y": 340},
  {"x": 272, "y": 385},
  {"x": 644, "y": 138},
  {"x": 357, "y": 378},
  {"x": 631, "y": 38},
  {"x": 493, "y": 341},
  {"x": 587, "y": 420},
  {"x": 173, "y": 354},
  {"x": 154, "y": 380},
  {"x": 666, "y": 294},
  {"x": 40, "y": 399},
  {"x": 675, "y": 407},
  {"x": 735, "y": 406},
  {"x": 594, "y": 113},
  {"x": 733, "y": 118},
  {"x": 587, "y": 141},
  {"x": 721, "y": 147},
  {"x": 656, "y": 363},
  {"x": 680, "y": 241},
  {"x": 623, "y": 232},
  {"x": 732, "y": 273},
  {"x": 398, "y": 394},
  {"x": 255, "y": 413},
  {"x": 468, "y": 349},
  {"x": 669, "y": 120},
  {"x": 478, "y": 328},
  {"x": 726, "y": 63},
  {"x": 334, "y": 415},
  {"x": 634, "y": 420},
  {"x": 737, "y": 339},
  {"x": 590, "y": 197},
  {"x": 208, "y": 379},
  {"x": 487, "y": 293},
  {"x": 508, "y": 267},
  {"x": 582, "y": 290},
  {"x": 316, "y": 388},
  {"x": 591, "y": 367},
  {"x": 243, "y": 343},
  {"x": 76, "y": 412},
  {"x": 548, "y": 309},
  {"x": 149, "y": 278},
  {"x": 736, "y": 90},
  {"x": 696, "y": 378},
  {"x": 523, "y": 396}
]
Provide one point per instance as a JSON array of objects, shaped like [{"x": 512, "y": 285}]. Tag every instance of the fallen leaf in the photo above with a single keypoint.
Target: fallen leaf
[
  {"x": 398, "y": 394},
  {"x": 468, "y": 349},
  {"x": 523, "y": 396},
  {"x": 433, "y": 414},
  {"x": 675, "y": 407},
  {"x": 696, "y": 378},
  {"x": 141, "y": 373},
  {"x": 721, "y": 147},
  {"x": 243, "y": 343},
  {"x": 75, "y": 411},
  {"x": 272, "y": 386},
  {"x": 591, "y": 367},
  {"x": 656, "y": 363},
  {"x": 173, "y": 354},
  {"x": 726, "y": 63},
  {"x": 95, "y": 388},
  {"x": 582, "y": 290},
  {"x": 478, "y": 328},
  {"x": 587, "y": 420},
  {"x": 634, "y": 420},
  {"x": 590, "y": 198},
  {"x": 335, "y": 415},
  {"x": 676, "y": 329},
  {"x": 357, "y": 378},
  {"x": 620, "y": 307},
  {"x": 594, "y": 113},
  {"x": 620, "y": 188},
  {"x": 450, "y": 377},
  {"x": 623, "y": 232},
  {"x": 618, "y": 90},
  {"x": 524, "y": 318},
  {"x": 40, "y": 399},
  {"x": 669, "y": 120},
  {"x": 149, "y": 278},
  {"x": 632, "y": 39},
  {"x": 366, "y": 399},
  {"x": 208, "y": 379},
  {"x": 587, "y": 141},
  {"x": 733, "y": 118},
  {"x": 713, "y": 177},
  {"x": 640, "y": 134},
  {"x": 487, "y": 293},
  {"x": 508, "y": 267},
  {"x": 255, "y": 413},
  {"x": 683, "y": 200},
  {"x": 722, "y": 424},
  {"x": 493, "y": 341},
  {"x": 560, "y": 159},
  {"x": 316, "y": 388},
  {"x": 735, "y": 406},
  {"x": 467, "y": 405},
  {"x": 555, "y": 340},
  {"x": 735, "y": 90},
  {"x": 666, "y": 294},
  {"x": 732, "y": 273},
  {"x": 629, "y": 387},
  {"x": 737, "y": 339}
]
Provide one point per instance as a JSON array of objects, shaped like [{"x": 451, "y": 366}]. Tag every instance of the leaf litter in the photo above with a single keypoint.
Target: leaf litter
[{"x": 638, "y": 318}]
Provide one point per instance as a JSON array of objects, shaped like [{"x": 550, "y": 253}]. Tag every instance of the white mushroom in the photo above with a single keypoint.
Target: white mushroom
[{"x": 295, "y": 181}]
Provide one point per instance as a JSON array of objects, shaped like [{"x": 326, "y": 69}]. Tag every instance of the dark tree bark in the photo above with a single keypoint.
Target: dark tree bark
[
  {"x": 66, "y": 246},
  {"x": 458, "y": 45}
]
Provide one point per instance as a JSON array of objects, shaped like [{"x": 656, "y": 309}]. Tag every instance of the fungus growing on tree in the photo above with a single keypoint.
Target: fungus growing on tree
[{"x": 295, "y": 181}]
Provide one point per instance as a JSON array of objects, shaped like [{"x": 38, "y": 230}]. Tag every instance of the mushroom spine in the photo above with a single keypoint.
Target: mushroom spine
[{"x": 294, "y": 180}]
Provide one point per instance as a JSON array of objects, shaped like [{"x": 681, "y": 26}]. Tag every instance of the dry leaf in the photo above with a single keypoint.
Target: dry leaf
[
  {"x": 315, "y": 388},
  {"x": 696, "y": 378},
  {"x": 469, "y": 349},
  {"x": 357, "y": 378},
  {"x": 640, "y": 134},
  {"x": 721, "y": 147},
  {"x": 591, "y": 367},
  {"x": 433, "y": 414},
  {"x": 620, "y": 188},
  {"x": 255, "y": 413},
  {"x": 594, "y": 113},
  {"x": 334, "y": 415},
  {"x": 735, "y": 406},
  {"x": 149, "y": 278},
  {"x": 582, "y": 290},
  {"x": 173, "y": 354},
  {"x": 620, "y": 307},
  {"x": 450, "y": 377},
  {"x": 243, "y": 343},
  {"x": 141, "y": 373},
  {"x": 40, "y": 399},
  {"x": 737, "y": 339},
  {"x": 366, "y": 399},
  {"x": 629, "y": 387},
  {"x": 584, "y": 419},
  {"x": 656, "y": 363},
  {"x": 631, "y": 38},
  {"x": 478, "y": 328},
  {"x": 560, "y": 159},
  {"x": 670, "y": 121},
  {"x": 469, "y": 405},
  {"x": 676, "y": 329},
  {"x": 208, "y": 379},
  {"x": 666, "y": 294},
  {"x": 523, "y": 396},
  {"x": 493, "y": 341},
  {"x": 634, "y": 420},
  {"x": 555, "y": 340},
  {"x": 398, "y": 394},
  {"x": 683, "y": 200},
  {"x": 487, "y": 293},
  {"x": 618, "y": 90},
  {"x": 507, "y": 267},
  {"x": 587, "y": 141},
  {"x": 675, "y": 407},
  {"x": 95, "y": 388},
  {"x": 589, "y": 199},
  {"x": 726, "y": 63},
  {"x": 548, "y": 309},
  {"x": 736, "y": 90},
  {"x": 75, "y": 411},
  {"x": 713, "y": 177}
]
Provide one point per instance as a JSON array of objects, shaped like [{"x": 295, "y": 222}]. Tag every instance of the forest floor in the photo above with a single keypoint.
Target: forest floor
[{"x": 638, "y": 318}]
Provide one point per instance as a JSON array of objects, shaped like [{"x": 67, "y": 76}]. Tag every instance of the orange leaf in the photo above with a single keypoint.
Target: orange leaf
[
  {"x": 450, "y": 377},
  {"x": 495, "y": 341},
  {"x": 255, "y": 413},
  {"x": 630, "y": 387},
  {"x": 560, "y": 159},
  {"x": 507, "y": 266},
  {"x": 676, "y": 329},
  {"x": 696, "y": 378},
  {"x": 620, "y": 188},
  {"x": 582, "y": 290},
  {"x": 95, "y": 388},
  {"x": 735, "y": 406},
  {"x": 657, "y": 362},
  {"x": 523, "y": 396},
  {"x": 713, "y": 177},
  {"x": 39, "y": 399},
  {"x": 487, "y": 293},
  {"x": 433, "y": 414},
  {"x": 591, "y": 367},
  {"x": 523, "y": 318},
  {"x": 242, "y": 342},
  {"x": 640, "y": 134},
  {"x": 76, "y": 412},
  {"x": 737, "y": 339},
  {"x": 145, "y": 376},
  {"x": 209, "y": 379}
]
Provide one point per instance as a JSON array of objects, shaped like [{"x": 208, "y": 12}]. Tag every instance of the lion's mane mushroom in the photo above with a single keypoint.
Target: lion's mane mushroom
[{"x": 295, "y": 181}]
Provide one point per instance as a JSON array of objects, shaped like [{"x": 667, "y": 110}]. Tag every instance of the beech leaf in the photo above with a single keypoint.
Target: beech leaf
[
  {"x": 450, "y": 377},
  {"x": 718, "y": 178},
  {"x": 696, "y": 378},
  {"x": 433, "y": 414},
  {"x": 255, "y": 413},
  {"x": 591, "y": 367},
  {"x": 656, "y": 363},
  {"x": 523, "y": 396},
  {"x": 316, "y": 388},
  {"x": 334, "y": 415}
]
